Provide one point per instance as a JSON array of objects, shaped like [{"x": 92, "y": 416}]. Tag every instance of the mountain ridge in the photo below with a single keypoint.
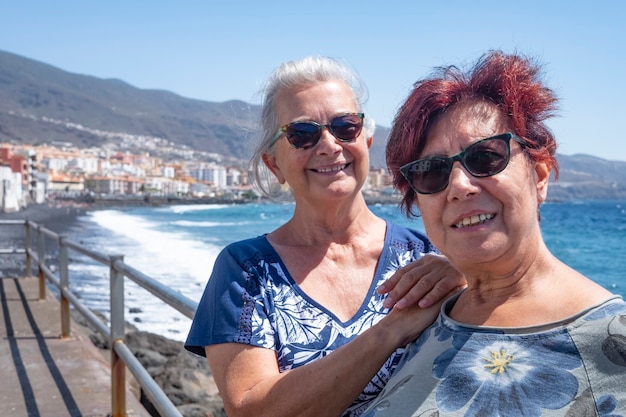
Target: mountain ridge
[{"x": 40, "y": 103}]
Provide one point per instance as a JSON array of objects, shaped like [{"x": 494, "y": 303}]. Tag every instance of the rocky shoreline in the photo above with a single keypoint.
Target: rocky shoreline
[{"x": 184, "y": 377}]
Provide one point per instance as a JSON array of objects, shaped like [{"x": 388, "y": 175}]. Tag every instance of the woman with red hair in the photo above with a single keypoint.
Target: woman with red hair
[{"x": 529, "y": 336}]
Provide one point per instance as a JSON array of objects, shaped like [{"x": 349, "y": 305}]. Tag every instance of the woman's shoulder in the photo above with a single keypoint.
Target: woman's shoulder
[
  {"x": 613, "y": 306},
  {"x": 252, "y": 247},
  {"x": 398, "y": 235},
  {"x": 245, "y": 255},
  {"x": 252, "y": 242}
]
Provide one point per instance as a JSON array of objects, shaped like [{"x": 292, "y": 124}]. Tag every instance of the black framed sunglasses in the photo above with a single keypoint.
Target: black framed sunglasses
[
  {"x": 484, "y": 158},
  {"x": 305, "y": 135}
]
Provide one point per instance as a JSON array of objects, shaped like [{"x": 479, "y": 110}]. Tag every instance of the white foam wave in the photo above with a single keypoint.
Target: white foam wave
[
  {"x": 172, "y": 255},
  {"x": 195, "y": 207},
  {"x": 179, "y": 260},
  {"x": 188, "y": 223}
]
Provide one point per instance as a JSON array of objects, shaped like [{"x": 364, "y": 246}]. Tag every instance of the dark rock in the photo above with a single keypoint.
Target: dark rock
[{"x": 184, "y": 377}]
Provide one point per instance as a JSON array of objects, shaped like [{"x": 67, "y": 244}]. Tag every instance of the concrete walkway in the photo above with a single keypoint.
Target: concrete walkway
[{"x": 42, "y": 374}]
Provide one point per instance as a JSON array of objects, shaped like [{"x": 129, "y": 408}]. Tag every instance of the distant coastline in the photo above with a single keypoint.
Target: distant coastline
[
  {"x": 88, "y": 201},
  {"x": 63, "y": 209},
  {"x": 557, "y": 194}
]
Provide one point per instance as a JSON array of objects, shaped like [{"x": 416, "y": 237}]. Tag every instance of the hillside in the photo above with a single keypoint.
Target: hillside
[
  {"x": 588, "y": 177},
  {"x": 33, "y": 92},
  {"x": 43, "y": 104}
]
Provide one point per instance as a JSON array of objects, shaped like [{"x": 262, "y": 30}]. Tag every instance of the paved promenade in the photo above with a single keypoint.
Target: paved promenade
[{"x": 42, "y": 374}]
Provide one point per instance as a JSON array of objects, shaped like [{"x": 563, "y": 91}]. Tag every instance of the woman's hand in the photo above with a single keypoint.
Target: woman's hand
[{"x": 425, "y": 282}]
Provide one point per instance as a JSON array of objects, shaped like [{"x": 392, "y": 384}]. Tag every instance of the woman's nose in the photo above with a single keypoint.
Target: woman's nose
[
  {"x": 461, "y": 183},
  {"x": 328, "y": 144}
]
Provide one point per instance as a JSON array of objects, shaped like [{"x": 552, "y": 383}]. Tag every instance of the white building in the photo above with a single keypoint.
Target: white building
[
  {"x": 168, "y": 172},
  {"x": 11, "y": 191},
  {"x": 88, "y": 165},
  {"x": 211, "y": 173}
]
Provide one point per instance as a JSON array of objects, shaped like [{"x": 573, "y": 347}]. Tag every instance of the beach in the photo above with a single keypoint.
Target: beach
[{"x": 57, "y": 217}]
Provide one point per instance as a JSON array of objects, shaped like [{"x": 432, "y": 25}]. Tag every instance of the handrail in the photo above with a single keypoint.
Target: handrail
[
  {"x": 121, "y": 356},
  {"x": 11, "y": 251}
]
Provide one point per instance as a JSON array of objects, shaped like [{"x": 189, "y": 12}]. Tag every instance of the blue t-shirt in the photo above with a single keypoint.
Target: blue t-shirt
[{"x": 251, "y": 298}]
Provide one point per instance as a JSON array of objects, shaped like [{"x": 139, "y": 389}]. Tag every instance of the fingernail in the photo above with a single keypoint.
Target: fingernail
[{"x": 401, "y": 303}]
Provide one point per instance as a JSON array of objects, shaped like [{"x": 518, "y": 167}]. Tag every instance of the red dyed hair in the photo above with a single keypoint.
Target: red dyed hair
[{"x": 510, "y": 81}]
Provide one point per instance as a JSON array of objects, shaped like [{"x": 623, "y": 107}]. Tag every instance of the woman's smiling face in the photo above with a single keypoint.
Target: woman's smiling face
[
  {"x": 477, "y": 220},
  {"x": 331, "y": 169}
]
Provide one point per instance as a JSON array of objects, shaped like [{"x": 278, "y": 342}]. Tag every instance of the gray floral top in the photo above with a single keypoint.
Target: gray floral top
[
  {"x": 575, "y": 368},
  {"x": 250, "y": 298}
]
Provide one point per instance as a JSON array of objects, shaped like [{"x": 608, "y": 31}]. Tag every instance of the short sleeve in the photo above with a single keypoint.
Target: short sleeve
[{"x": 230, "y": 310}]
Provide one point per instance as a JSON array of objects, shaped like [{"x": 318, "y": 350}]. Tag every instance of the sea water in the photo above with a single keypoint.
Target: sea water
[{"x": 178, "y": 244}]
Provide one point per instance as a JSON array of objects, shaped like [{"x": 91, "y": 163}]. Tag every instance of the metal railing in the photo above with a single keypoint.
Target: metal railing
[{"x": 121, "y": 356}]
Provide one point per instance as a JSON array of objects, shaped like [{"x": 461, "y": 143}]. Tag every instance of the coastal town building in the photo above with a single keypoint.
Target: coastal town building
[
  {"x": 20, "y": 182},
  {"x": 61, "y": 182},
  {"x": 32, "y": 174},
  {"x": 11, "y": 190}
]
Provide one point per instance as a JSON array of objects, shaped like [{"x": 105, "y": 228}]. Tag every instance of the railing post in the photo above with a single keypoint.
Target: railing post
[
  {"x": 65, "y": 286},
  {"x": 41, "y": 256},
  {"x": 118, "y": 367},
  {"x": 27, "y": 247}
]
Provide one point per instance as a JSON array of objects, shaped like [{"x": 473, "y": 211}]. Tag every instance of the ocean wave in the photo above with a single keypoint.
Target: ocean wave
[
  {"x": 190, "y": 223},
  {"x": 194, "y": 207}
]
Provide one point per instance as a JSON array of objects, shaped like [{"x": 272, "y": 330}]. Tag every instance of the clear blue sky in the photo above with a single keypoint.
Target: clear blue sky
[{"x": 218, "y": 51}]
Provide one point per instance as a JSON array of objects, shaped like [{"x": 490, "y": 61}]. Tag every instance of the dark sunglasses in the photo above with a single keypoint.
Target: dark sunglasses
[
  {"x": 305, "y": 135},
  {"x": 484, "y": 158}
]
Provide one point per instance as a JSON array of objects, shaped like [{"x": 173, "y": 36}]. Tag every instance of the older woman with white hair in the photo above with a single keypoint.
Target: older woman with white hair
[{"x": 291, "y": 321}]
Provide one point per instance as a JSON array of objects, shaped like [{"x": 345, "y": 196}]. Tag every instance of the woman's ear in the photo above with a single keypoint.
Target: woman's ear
[
  {"x": 542, "y": 172},
  {"x": 369, "y": 142},
  {"x": 270, "y": 162}
]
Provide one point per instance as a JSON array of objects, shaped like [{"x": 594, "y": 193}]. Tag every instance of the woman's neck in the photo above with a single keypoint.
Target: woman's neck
[{"x": 336, "y": 223}]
